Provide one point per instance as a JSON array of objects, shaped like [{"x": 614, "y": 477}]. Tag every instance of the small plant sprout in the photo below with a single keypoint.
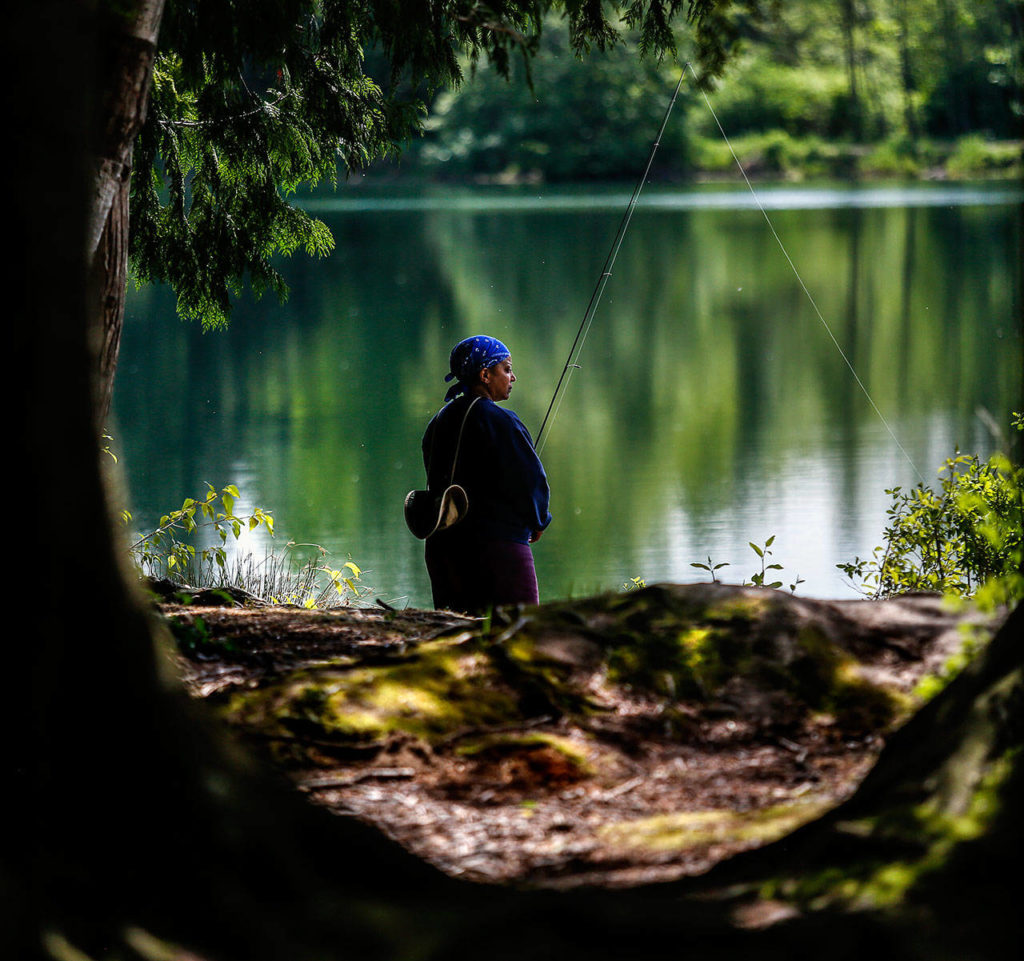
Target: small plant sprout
[
  {"x": 710, "y": 567},
  {"x": 758, "y": 578},
  {"x": 634, "y": 584},
  {"x": 763, "y": 552}
]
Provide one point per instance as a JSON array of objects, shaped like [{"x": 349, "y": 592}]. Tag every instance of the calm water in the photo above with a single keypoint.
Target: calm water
[{"x": 712, "y": 408}]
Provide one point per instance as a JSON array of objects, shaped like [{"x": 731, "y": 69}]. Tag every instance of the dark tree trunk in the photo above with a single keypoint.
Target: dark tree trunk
[
  {"x": 848, "y": 14},
  {"x": 108, "y": 283},
  {"x": 127, "y": 39},
  {"x": 958, "y": 111},
  {"x": 907, "y": 81}
]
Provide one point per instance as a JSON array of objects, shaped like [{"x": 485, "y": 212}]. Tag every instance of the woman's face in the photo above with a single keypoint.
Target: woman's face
[{"x": 497, "y": 381}]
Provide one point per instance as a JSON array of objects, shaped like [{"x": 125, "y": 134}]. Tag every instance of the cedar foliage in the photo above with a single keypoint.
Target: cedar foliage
[{"x": 254, "y": 101}]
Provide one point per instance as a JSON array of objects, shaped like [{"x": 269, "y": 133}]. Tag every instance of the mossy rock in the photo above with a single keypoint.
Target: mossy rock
[
  {"x": 446, "y": 687},
  {"x": 762, "y": 651}
]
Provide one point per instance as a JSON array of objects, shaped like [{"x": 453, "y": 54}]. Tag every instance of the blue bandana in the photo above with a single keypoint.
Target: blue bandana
[{"x": 468, "y": 358}]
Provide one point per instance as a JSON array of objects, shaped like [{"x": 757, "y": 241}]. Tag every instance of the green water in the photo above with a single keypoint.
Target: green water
[{"x": 714, "y": 405}]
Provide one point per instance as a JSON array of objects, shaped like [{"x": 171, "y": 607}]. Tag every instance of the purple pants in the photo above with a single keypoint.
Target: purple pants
[{"x": 473, "y": 577}]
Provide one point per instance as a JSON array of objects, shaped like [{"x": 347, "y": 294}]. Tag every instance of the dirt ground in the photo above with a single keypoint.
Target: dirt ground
[{"x": 646, "y": 786}]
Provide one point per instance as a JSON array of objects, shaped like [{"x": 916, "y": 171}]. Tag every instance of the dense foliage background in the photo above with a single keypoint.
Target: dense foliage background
[{"x": 842, "y": 87}]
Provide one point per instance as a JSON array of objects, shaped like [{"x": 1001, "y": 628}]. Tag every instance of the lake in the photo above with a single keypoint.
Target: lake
[{"x": 728, "y": 391}]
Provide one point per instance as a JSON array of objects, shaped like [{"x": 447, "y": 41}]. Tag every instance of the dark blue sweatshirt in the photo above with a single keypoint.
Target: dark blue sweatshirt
[{"x": 503, "y": 477}]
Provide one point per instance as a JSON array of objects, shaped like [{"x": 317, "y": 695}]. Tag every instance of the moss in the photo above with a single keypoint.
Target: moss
[
  {"x": 689, "y": 829},
  {"x": 739, "y": 608},
  {"x": 859, "y": 705},
  {"x": 447, "y": 687},
  {"x": 689, "y": 651},
  {"x": 921, "y": 839},
  {"x": 688, "y": 660},
  {"x": 830, "y": 680},
  {"x": 974, "y": 637}
]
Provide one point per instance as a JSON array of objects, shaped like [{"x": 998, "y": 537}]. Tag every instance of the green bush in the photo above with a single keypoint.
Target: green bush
[
  {"x": 575, "y": 122},
  {"x": 898, "y": 156},
  {"x": 965, "y": 539},
  {"x": 975, "y": 156},
  {"x": 761, "y": 96},
  {"x": 168, "y": 553},
  {"x": 773, "y": 152}
]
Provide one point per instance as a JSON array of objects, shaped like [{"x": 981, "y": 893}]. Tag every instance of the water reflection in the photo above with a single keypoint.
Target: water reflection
[{"x": 713, "y": 406}]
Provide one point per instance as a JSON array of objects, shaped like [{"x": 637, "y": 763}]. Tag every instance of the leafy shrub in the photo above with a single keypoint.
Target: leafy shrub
[
  {"x": 166, "y": 550},
  {"x": 570, "y": 124},
  {"x": 897, "y": 156},
  {"x": 168, "y": 553},
  {"x": 764, "y": 96},
  {"x": 773, "y": 152},
  {"x": 965, "y": 539},
  {"x": 973, "y": 155}
]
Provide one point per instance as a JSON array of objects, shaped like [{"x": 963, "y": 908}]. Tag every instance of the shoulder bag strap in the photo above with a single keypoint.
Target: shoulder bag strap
[{"x": 458, "y": 442}]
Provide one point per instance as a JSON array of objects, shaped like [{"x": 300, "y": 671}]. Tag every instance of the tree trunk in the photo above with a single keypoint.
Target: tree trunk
[
  {"x": 907, "y": 81},
  {"x": 957, "y": 107},
  {"x": 848, "y": 14},
  {"x": 108, "y": 283},
  {"x": 127, "y": 49}
]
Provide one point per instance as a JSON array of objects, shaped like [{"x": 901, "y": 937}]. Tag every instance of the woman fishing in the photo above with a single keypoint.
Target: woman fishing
[{"x": 485, "y": 559}]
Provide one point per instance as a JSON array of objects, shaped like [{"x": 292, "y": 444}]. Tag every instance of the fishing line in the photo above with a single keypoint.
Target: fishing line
[
  {"x": 800, "y": 280},
  {"x": 606, "y": 272}
]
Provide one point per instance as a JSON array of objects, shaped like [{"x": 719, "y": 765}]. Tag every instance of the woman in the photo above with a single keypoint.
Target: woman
[{"x": 485, "y": 559}]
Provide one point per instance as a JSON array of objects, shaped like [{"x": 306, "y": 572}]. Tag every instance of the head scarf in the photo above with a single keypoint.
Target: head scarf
[{"x": 468, "y": 358}]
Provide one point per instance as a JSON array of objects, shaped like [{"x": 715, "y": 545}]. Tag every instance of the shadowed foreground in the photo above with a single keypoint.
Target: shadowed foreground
[{"x": 909, "y": 863}]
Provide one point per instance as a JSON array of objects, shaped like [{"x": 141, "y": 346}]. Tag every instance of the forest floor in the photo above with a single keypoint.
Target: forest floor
[{"x": 556, "y": 746}]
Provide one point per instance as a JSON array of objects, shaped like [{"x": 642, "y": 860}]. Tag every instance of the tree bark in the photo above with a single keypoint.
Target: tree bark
[
  {"x": 127, "y": 49},
  {"x": 907, "y": 81},
  {"x": 848, "y": 15}
]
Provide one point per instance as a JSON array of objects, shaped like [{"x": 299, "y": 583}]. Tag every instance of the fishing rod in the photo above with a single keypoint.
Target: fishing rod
[{"x": 606, "y": 272}]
